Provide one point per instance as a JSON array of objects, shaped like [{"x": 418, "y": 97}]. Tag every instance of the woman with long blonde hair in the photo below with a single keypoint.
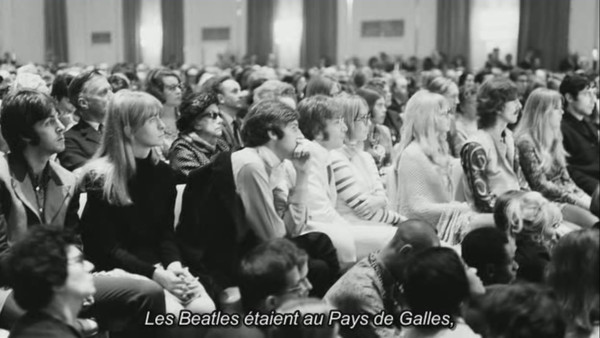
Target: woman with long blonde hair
[
  {"x": 426, "y": 176},
  {"x": 128, "y": 218},
  {"x": 543, "y": 158}
]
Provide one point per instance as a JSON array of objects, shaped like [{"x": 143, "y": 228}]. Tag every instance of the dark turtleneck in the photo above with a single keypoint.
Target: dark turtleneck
[{"x": 136, "y": 236}]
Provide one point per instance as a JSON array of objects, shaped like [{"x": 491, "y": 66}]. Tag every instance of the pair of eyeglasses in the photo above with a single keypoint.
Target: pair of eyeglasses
[
  {"x": 212, "y": 115},
  {"x": 363, "y": 118},
  {"x": 174, "y": 87}
]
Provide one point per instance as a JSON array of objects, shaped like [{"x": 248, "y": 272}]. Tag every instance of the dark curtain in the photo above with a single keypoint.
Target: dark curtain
[
  {"x": 55, "y": 25},
  {"x": 172, "y": 20},
  {"x": 319, "y": 41},
  {"x": 260, "y": 29},
  {"x": 132, "y": 13},
  {"x": 453, "y": 28},
  {"x": 544, "y": 29}
]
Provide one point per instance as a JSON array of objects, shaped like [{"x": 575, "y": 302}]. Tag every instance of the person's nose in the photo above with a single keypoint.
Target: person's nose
[{"x": 88, "y": 266}]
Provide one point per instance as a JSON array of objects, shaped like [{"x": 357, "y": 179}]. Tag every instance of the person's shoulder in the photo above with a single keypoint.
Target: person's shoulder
[
  {"x": 77, "y": 129},
  {"x": 65, "y": 175},
  {"x": 38, "y": 325}
]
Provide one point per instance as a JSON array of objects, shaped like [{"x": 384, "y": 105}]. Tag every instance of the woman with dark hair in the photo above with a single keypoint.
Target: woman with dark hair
[
  {"x": 437, "y": 281},
  {"x": 200, "y": 127},
  {"x": 379, "y": 137},
  {"x": 467, "y": 80},
  {"x": 165, "y": 85},
  {"x": 322, "y": 85},
  {"x": 574, "y": 276},
  {"x": 118, "y": 81}
]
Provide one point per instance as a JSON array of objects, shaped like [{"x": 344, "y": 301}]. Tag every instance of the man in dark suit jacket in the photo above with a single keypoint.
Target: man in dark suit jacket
[
  {"x": 580, "y": 137},
  {"x": 90, "y": 93}
]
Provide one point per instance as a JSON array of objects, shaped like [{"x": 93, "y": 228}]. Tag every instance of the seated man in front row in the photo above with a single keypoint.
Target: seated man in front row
[
  {"x": 35, "y": 191},
  {"x": 251, "y": 196}
]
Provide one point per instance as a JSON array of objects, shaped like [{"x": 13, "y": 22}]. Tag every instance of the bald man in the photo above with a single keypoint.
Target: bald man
[{"x": 371, "y": 286}]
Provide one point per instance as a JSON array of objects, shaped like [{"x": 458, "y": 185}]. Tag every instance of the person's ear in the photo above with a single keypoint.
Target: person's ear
[
  {"x": 221, "y": 98},
  {"x": 83, "y": 103},
  {"x": 127, "y": 131},
  {"x": 405, "y": 250},
  {"x": 569, "y": 97},
  {"x": 272, "y": 135},
  {"x": 489, "y": 271},
  {"x": 271, "y": 302}
]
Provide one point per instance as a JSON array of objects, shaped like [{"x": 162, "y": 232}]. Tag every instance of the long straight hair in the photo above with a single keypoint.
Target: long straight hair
[
  {"x": 352, "y": 107},
  {"x": 535, "y": 123},
  {"x": 420, "y": 120},
  {"x": 114, "y": 163}
]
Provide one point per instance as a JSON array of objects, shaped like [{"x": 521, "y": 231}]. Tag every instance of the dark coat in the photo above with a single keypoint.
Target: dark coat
[
  {"x": 212, "y": 231},
  {"x": 81, "y": 143},
  {"x": 580, "y": 139}
]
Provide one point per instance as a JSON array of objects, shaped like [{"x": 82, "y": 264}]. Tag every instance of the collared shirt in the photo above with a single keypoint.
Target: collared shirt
[
  {"x": 273, "y": 206},
  {"x": 40, "y": 186},
  {"x": 94, "y": 124}
]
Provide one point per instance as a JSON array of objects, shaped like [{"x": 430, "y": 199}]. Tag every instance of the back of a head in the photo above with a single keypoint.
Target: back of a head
[
  {"x": 319, "y": 85},
  {"x": 484, "y": 247},
  {"x": 60, "y": 86},
  {"x": 305, "y": 306},
  {"x": 574, "y": 276},
  {"x": 274, "y": 89},
  {"x": 417, "y": 233},
  {"x": 435, "y": 280},
  {"x": 314, "y": 112},
  {"x": 503, "y": 211},
  {"x": 37, "y": 265},
  {"x": 265, "y": 116},
  {"x": 264, "y": 271},
  {"x": 440, "y": 85},
  {"x": 370, "y": 95},
  {"x": 522, "y": 311}
]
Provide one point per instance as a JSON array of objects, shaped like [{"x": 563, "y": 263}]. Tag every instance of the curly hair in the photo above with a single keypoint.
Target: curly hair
[
  {"x": 193, "y": 106},
  {"x": 37, "y": 264},
  {"x": 492, "y": 97}
]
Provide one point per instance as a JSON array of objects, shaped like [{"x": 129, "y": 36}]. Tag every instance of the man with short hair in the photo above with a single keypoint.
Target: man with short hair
[
  {"x": 90, "y": 93},
  {"x": 490, "y": 252},
  {"x": 372, "y": 285},
  {"x": 231, "y": 102},
  {"x": 251, "y": 196},
  {"x": 580, "y": 137},
  {"x": 35, "y": 191}
]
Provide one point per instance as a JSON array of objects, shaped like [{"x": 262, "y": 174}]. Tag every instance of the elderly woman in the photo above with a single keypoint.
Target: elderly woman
[
  {"x": 361, "y": 196},
  {"x": 200, "y": 126}
]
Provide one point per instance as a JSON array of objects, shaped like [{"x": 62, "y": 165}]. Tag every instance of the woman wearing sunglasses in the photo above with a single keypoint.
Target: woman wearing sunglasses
[{"x": 200, "y": 128}]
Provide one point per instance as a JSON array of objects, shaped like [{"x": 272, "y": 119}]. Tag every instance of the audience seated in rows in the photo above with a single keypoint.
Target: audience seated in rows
[
  {"x": 321, "y": 121},
  {"x": 244, "y": 198}
]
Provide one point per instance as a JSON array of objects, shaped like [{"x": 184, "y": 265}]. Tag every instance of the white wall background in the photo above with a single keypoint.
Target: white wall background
[
  {"x": 213, "y": 13},
  {"x": 583, "y": 26},
  {"x": 495, "y": 24},
  {"x": 88, "y": 16},
  {"x": 419, "y": 27},
  {"x": 22, "y": 29}
]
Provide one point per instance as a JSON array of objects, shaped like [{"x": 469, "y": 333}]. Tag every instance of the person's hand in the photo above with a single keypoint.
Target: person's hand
[
  {"x": 194, "y": 290},
  {"x": 171, "y": 282},
  {"x": 369, "y": 205},
  {"x": 300, "y": 157},
  {"x": 177, "y": 268}
]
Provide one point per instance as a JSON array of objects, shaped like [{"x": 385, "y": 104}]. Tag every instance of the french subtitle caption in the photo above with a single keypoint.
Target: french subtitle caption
[{"x": 273, "y": 318}]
